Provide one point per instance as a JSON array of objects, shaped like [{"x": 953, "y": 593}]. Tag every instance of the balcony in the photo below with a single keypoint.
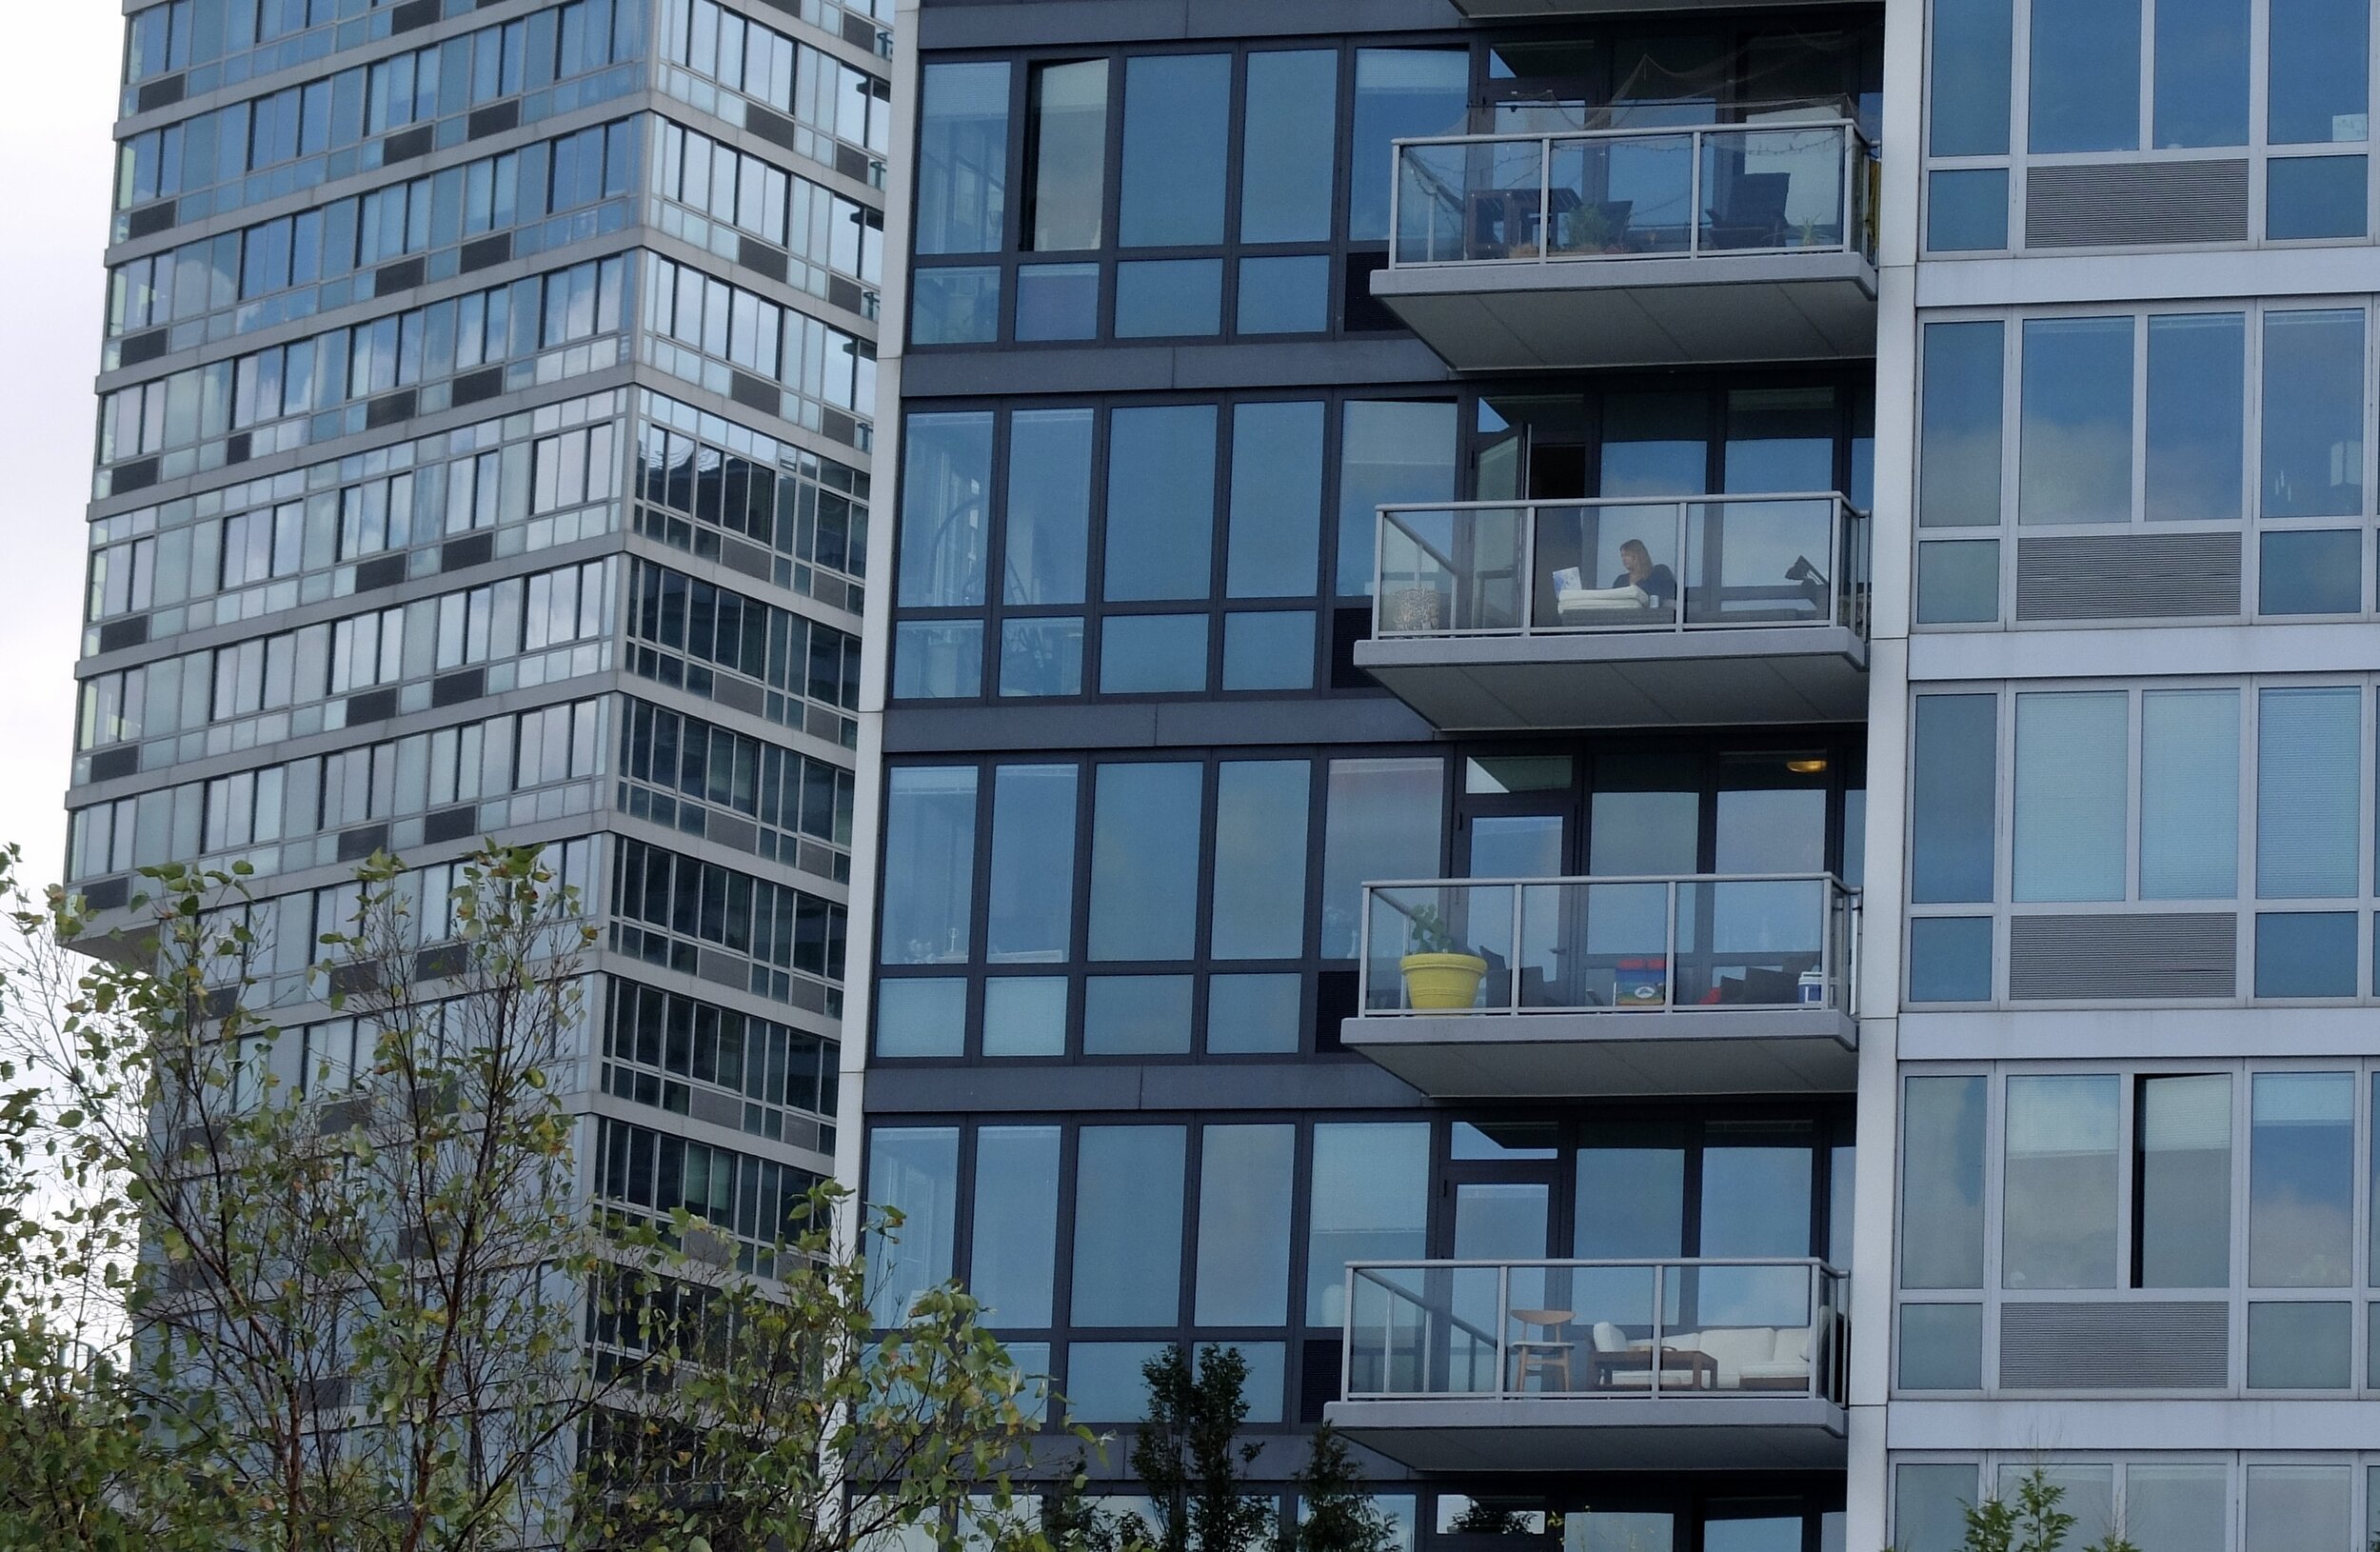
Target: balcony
[
  {"x": 1631, "y": 248},
  {"x": 1570, "y": 1365},
  {"x": 1738, "y": 609},
  {"x": 1703, "y": 984}
]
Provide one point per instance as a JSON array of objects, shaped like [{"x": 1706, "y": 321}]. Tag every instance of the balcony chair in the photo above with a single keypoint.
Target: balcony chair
[
  {"x": 1547, "y": 1356},
  {"x": 1753, "y": 214}
]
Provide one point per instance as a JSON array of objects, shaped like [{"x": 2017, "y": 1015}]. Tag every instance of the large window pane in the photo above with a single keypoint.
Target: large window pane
[
  {"x": 2299, "y": 1508},
  {"x": 913, "y": 1170},
  {"x": 2308, "y": 777},
  {"x": 1381, "y": 820},
  {"x": 945, "y": 486},
  {"x": 1015, "y": 1226},
  {"x": 1260, "y": 858},
  {"x": 1942, "y": 1136},
  {"x": 1289, "y": 146},
  {"x": 1390, "y": 450},
  {"x": 1780, "y": 440},
  {"x": 2086, "y": 75},
  {"x": 1066, "y": 152},
  {"x": 1144, "y": 861},
  {"x": 1031, "y": 910},
  {"x": 1657, "y": 444},
  {"x": 1161, "y": 501},
  {"x": 1631, "y": 1203},
  {"x": 1049, "y": 525},
  {"x": 2316, "y": 88},
  {"x": 1756, "y": 1201},
  {"x": 2184, "y": 1156},
  {"x": 2178, "y": 1507},
  {"x": 1959, "y": 482},
  {"x": 962, "y": 158},
  {"x": 2073, "y": 771},
  {"x": 1930, "y": 1504},
  {"x": 2058, "y": 1211},
  {"x": 1276, "y": 499},
  {"x": 1973, "y": 42},
  {"x": 1369, "y": 1202},
  {"x": 1177, "y": 134},
  {"x": 2190, "y": 794},
  {"x": 1127, "y": 1225},
  {"x": 2197, "y": 416},
  {"x": 1245, "y": 1178},
  {"x": 929, "y": 866},
  {"x": 2313, "y": 414},
  {"x": 2201, "y": 73},
  {"x": 2301, "y": 1190},
  {"x": 1645, "y": 817},
  {"x": 1951, "y": 833},
  {"x": 2074, "y": 456},
  {"x": 1401, "y": 94}
]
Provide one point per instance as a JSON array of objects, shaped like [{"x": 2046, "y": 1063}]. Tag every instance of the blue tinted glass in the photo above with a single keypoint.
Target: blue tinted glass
[
  {"x": 1272, "y": 650},
  {"x": 1103, "y": 1383},
  {"x": 1025, "y": 1015},
  {"x": 1152, "y": 655},
  {"x": 1292, "y": 135},
  {"x": 962, "y": 158},
  {"x": 953, "y": 307},
  {"x": 1058, "y": 301},
  {"x": 1369, "y": 1201},
  {"x": 1128, "y": 1227},
  {"x": 1276, "y": 499},
  {"x": 1951, "y": 798},
  {"x": 1161, "y": 501},
  {"x": 2313, "y": 414},
  {"x": 1401, "y": 94},
  {"x": 1041, "y": 657},
  {"x": 1252, "y": 1013},
  {"x": 1631, "y": 1203},
  {"x": 1287, "y": 295},
  {"x": 1175, "y": 137},
  {"x": 1756, "y": 1201},
  {"x": 1967, "y": 211},
  {"x": 1156, "y": 298},
  {"x": 1390, "y": 451},
  {"x": 921, "y": 1018},
  {"x": 913, "y": 1170},
  {"x": 2306, "y": 954},
  {"x": 1958, "y": 582},
  {"x": 2312, "y": 571},
  {"x": 1244, "y": 1181},
  {"x": 1959, "y": 477},
  {"x": 1973, "y": 42},
  {"x": 929, "y": 864},
  {"x": 1015, "y": 1224},
  {"x": 2197, "y": 416},
  {"x": 1136, "y": 1015},
  {"x": 2086, "y": 75},
  {"x": 1048, "y": 528},
  {"x": 2316, "y": 88},
  {"x": 2309, "y": 770},
  {"x": 1029, "y": 906},
  {"x": 945, "y": 486},
  {"x": 1261, "y": 809},
  {"x": 2074, "y": 456},
  {"x": 2201, "y": 73},
  {"x": 1144, "y": 861},
  {"x": 2315, "y": 196},
  {"x": 938, "y": 659},
  {"x": 1950, "y": 959}
]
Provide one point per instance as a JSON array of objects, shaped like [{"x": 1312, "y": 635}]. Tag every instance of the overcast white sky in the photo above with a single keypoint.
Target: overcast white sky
[{"x": 54, "y": 169}]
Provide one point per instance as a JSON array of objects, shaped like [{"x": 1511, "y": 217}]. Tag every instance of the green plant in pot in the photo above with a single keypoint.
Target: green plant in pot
[{"x": 1439, "y": 972}]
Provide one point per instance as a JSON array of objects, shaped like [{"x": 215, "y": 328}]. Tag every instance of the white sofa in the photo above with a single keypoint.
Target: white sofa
[{"x": 1771, "y": 1358}]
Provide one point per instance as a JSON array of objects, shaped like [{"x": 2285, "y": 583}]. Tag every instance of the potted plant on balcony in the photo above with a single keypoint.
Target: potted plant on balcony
[{"x": 1439, "y": 972}]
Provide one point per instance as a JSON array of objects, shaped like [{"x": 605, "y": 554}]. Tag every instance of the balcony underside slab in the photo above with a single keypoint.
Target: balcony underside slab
[
  {"x": 1481, "y": 1055},
  {"x": 1503, "y": 10},
  {"x": 1691, "y": 1433},
  {"x": 1654, "y": 678},
  {"x": 1638, "y": 313}
]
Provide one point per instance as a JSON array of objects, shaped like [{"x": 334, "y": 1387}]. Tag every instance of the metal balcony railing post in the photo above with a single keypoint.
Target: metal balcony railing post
[
  {"x": 1527, "y": 601},
  {"x": 1503, "y": 1322},
  {"x": 1669, "y": 950},
  {"x": 1545, "y": 198},
  {"x": 1512, "y": 990},
  {"x": 1694, "y": 195},
  {"x": 1363, "y": 950},
  {"x": 1661, "y": 1302},
  {"x": 1347, "y": 1341},
  {"x": 1379, "y": 569}
]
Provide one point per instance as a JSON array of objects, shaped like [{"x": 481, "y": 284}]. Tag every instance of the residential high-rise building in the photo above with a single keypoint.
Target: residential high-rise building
[
  {"x": 486, "y": 408},
  {"x": 1514, "y": 632}
]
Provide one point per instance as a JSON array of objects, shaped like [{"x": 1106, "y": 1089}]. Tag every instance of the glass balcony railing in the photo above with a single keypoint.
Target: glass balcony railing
[
  {"x": 1617, "y": 1330},
  {"x": 1618, "y": 945},
  {"x": 1648, "y": 193},
  {"x": 1619, "y": 563}
]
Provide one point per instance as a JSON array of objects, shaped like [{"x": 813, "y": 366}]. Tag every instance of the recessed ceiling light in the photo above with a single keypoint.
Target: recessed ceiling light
[{"x": 1805, "y": 767}]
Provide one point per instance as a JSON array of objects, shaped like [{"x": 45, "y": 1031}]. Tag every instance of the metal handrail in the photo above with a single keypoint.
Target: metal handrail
[{"x": 1853, "y": 204}]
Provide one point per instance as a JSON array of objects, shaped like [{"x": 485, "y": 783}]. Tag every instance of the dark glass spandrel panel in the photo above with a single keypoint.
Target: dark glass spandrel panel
[
  {"x": 1974, "y": 43},
  {"x": 1967, "y": 211},
  {"x": 946, "y": 492},
  {"x": 2201, "y": 64},
  {"x": 1136, "y": 1015},
  {"x": 1015, "y": 1227},
  {"x": 2198, "y": 417},
  {"x": 1177, "y": 135},
  {"x": 1290, "y": 294},
  {"x": 921, "y": 1017},
  {"x": 962, "y": 158},
  {"x": 1952, "y": 840},
  {"x": 2086, "y": 75},
  {"x": 2317, "y": 196},
  {"x": 1253, "y": 1013},
  {"x": 2306, "y": 954},
  {"x": 1370, "y": 1201},
  {"x": 2313, "y": 414},
  {"x": 2075, "y": 458},
  {"x": 1163, "y": 298},
  {"x": 953, "y": 307},
  {"x": 1066, "y": 155},
  {"x": 1289, "y": 146},
  {"x": 1401, "y": 94},
  {"x": 929, "y": 864},
  {"x": 2301, "y": 1174},
  {"x": 2316, "y": 89},
  {"x": 1152, "y": 655},
  {"x": 1942, "y": 1153},
  {"x": 1127, "y": 1229},
  {"x": 1383, "y": 819},
  {"x": 1041, "y": 657},
  {"x": 1261, "y": 816},
  {"x": 1950, "y": 959},
  {"x": 1959, "y": 482},
  {"x": 1029, "y": 917},
  {"x": 1144, "y": 861},
  {"x": 1048, "y": 530},
  {"x": 2182, "y": 1151},
  {"x": 913, "y": 1170},
  {"x": 1161, "y": 501},
  {"x": 1058, "y": 302},
  {"x": 1245, "y": 1175},
  {"x": 1631, "y": 1203},
  {"x": 1958, "y": 582},
  {"x": 2300, "y": 1347},
  {"x": 1941, "y": 1347},
  {"x": 938, "y": 659},
  {"x": 1276, "y": 499},
  {"x": 1270, "y": 650},
  {"x": 2310, "y": 571},
  {"x": 1025, "y": 1015}
]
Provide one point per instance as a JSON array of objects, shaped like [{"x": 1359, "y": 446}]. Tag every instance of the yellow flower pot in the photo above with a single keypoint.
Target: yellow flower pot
[{"x": 1443, "y": 980}]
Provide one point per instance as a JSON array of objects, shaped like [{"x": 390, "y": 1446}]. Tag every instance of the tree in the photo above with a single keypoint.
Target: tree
[
  {"x": 2032, "y": 1523},
  {"x": 1339, "y": 1514},
  {"x": 1189, "y": 1457}
]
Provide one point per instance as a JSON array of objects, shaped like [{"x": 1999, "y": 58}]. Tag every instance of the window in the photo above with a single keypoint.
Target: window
[
  {"x": 2183, "y": 1160},
  {"x": 913, "y": 1170},
  {"x": 2072, "y": 780},
  {"x": 2060, "y": 1205},
  {"x": 1127, "y": 1226},
  {"x": 1382, "y": 821},
  {"x": 1176, "y": 136},
  {"x": 1144, "y": 856},
  {"x": 1290, "y": 137},
  {"x": 1390, "y": 450},
  {"x": 2086, "y": 75},
  {"x": 1066, "y": 155},
  {"x": 1014, "y": 1229},
  {"x": 962, "y": 158},
  {"x": 930, "y": 864},
  {"x": 1246, "y": 1176},
  {"x": 2075, "y": 458},
  {"x": 1369, "y": 1201},
  {"x": 1401, "y": 94}
]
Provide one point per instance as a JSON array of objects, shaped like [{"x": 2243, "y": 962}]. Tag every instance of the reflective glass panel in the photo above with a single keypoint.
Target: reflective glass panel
[
  {"x": 1030, "y": 913},
  {"x": 1260, "y": 895},
  {"x": 2086, "y": 75},
  {"x": 1369, "y": 1202},
  {"x": 2301, "y": 1180},
  {"x": 2075, "y": 457},
  {"x": 2190, "y": 794},
  {"x": 2313, "y": 414},
  {"x": 1391, "y": 452},
  {"x": 1176, "y": 139},
  {"x": 2201, "y": 52},
  {"x": 1951, "y": 798},
  {"x": 1399, "y": 93},
  {"x": 1276, "y": 499},
  {"x": 2197, "y": 416},
  {"x": 1959, "y": 482},
  {"x": 1067, "y": 155},
  {"x": 2316, "y": 88},
  {"x": 2309, "y": 782},
  {"x": 929, "y": 866},
  {"x": 1161, "y": 501},
  {"x": 1048, "y": 528},
  {"x": 1289, "y": 146},
  {"x": 1144, "y": 861},
  {"x": 2183, "y": 1153},
  {"x": 1942, "y": 1141},
  {"x": 1246, "y": 1174},
  {"x": 2058, "y": 1209},
  {"x": 962, "y": 158},
  {"x": 1015, "y": 1227},
  {"x": 1127, "y": 1225}
]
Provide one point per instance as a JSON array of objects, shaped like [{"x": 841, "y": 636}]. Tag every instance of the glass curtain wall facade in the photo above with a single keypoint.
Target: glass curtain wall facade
[{"x": 485, "y": 449}]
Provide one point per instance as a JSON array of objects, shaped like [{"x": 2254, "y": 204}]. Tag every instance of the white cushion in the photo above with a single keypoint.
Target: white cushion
[
  {"x": 1598, "y": 600},
  {"x": 1610, "y": 1338},
  {"x": 1776, "y": 1369},
  {"x": 1734, "y": 1348},
  {"x": 1793, "y": 1345}
]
